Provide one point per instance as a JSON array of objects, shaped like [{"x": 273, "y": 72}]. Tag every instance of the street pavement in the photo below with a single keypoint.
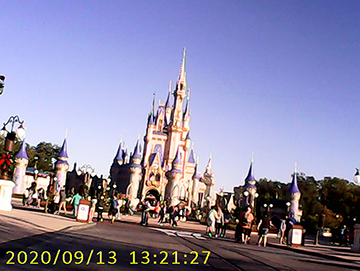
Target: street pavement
[{"x": 26, "y": 227}]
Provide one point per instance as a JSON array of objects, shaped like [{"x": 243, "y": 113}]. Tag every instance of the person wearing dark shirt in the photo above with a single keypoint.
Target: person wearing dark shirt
[
  {"x": 100, "y": 209},
  {"x": 263, "y": 228}
]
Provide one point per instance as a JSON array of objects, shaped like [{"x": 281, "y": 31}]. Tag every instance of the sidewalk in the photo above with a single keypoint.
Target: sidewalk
[
  {"x": 34, "y": 221},
  {"x": 324, "y": 249}
]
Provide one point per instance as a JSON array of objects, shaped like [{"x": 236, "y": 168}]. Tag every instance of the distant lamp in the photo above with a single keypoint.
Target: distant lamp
[
  {"x": 357, "y": 176},
  {"x": 256, "y": 195},
  {"x": 246, "y": 193},
  {"x": 270, "y": 205},
  {"x": 288, "y": 204},
  {"x": 265, "y": 205}
]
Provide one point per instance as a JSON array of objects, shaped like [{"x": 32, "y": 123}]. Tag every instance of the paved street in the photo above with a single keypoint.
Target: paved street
[{"x": 59, "y": 243}]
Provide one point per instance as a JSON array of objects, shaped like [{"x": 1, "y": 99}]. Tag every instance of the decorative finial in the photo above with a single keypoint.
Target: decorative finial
[
  {"x": 170, "y": 87},
  {"x": 252, "y": 158},
  {"x": 188, "y": 94},
  {"x": 296, "y": 167}
]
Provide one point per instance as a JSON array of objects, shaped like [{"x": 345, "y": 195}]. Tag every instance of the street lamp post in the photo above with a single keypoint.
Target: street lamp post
[
  {"x": 87, "y": 170},
  {"x": 6, "y": 185},
  {"x": 10, "y": 136}
]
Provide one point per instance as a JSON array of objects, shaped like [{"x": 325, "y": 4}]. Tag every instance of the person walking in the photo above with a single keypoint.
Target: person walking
[
  {"x": 263, "y": 228},
  {"x": 62, "y": 205},
  {"x": 211, "y": 218},
  {"x": 76, "y": 202},
  {"x": 100, "y": 208},
  {"x": 162, "y": 214},
  {"x": 227, "y": 218},
  {"x": 282, "y": 232},
  {"x": 219, "y": 221},
  {"x": 246, "y": 219},
  {"x": 113, "y": 209}
]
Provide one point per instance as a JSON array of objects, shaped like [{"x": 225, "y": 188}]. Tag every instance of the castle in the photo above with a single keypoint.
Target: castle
[{"x": 167, "y": 168}]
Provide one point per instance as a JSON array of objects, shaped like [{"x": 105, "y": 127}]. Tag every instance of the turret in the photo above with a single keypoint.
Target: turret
[
  {"x": 62, "y": 166},
  {"x": 19, "y": 178},
  {"x": 179, "y": 96},
  {"x": 135, "y": 175},
  {"x": 174, "y": 175},
  {"x": 294, "y": 195},
  {"x": 249, "y": 188},
  {"x": 209, "y": 180},
  {"x": 195, "y": 193}
]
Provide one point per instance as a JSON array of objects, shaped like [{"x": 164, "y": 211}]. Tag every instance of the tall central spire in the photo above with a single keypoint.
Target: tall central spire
[{"x": 182, "y": 74}]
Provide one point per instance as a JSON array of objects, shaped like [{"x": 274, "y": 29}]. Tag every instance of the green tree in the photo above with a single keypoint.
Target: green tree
[{"x": 43, "y": 155}]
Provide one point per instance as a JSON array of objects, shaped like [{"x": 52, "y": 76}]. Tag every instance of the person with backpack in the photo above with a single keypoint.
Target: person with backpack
[{"x": 246, "y": 220}]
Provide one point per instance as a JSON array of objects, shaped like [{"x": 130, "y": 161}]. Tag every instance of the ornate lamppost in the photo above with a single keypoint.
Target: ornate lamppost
[
  {"x": 6, "y": 185},
  {"x": 10, "y": 136},
  {"x": 87, "y": 170}
]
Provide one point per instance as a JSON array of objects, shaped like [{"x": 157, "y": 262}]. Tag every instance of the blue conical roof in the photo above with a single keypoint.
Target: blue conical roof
[
  {"x": 250, "y": 176},
  {"x": 196, "y": 173},
  {"x": 119, "y": 154},
  {"x": 177, "y": 159},
  {"x": 294, "y": 187},
  {"x": 151, "y": 118},
  {"x": 137, "y": 153},
  {"x": 191, "y": 157},
  {"x": 63, "y": 151},
  {"x": 22, "y": 152}
]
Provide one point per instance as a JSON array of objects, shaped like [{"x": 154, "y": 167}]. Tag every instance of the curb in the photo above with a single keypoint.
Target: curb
[{"x": 313, "y": 253}]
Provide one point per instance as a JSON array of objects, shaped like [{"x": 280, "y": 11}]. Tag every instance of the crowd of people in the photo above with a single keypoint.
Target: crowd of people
[
  {"x": 217, "y": 219},
  {"x": 164, "y": 213}
]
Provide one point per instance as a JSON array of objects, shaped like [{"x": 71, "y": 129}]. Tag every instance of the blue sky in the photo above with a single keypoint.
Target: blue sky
[{"x": 279, "y": 79}]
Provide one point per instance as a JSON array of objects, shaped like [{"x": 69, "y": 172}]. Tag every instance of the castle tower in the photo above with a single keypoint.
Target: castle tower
[
  {"x": 173, "y": 187},
  {"x": 21, "y": 160},
  {"x": 209, "y": 180},
  {"x": 135, "y": 176},
  {"x": 196, "y": 178},
  {"x": 294, "y": 195},
  {"x": 62, "y": 167},
  {"x": 249, "y": 188},
  {"x": 175, "y": 129}
]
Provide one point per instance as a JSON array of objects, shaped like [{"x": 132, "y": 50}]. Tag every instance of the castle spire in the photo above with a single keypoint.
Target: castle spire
[
  {"x": 167, "y": 103},
  {"x": 137, "y": 153},
  {"x": 294, "y": 187},
  {"x": 63, "y": 150},
  {"x": 182, "y": 74},
  {"x": 119, "y": 153},
  {"x": 250, "y": 177},
  {"x": 208, "y": 167},
  {"x": 22, "y": 152}
]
